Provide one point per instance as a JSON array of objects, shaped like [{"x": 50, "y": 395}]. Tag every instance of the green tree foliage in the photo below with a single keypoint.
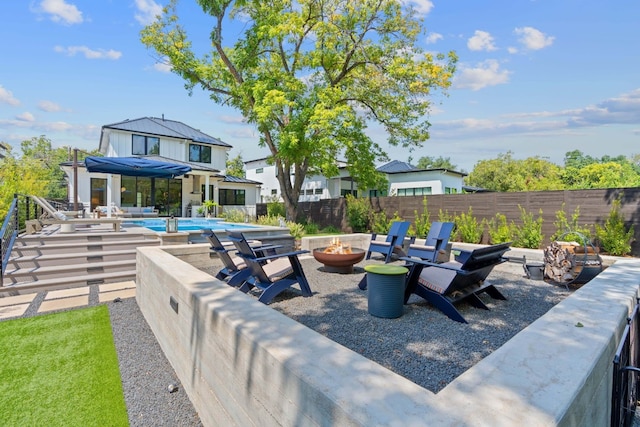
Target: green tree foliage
[
  {"x": 508, "y": 174},
  {"x": 358, "y": 213},
  {"x": 606, "y": 175},
  {"x": 311, "y": 75},
  {"x": 235, "y": 166},
  {"x": 428, "y": 162},
  {"x": 613, "y": 236}
]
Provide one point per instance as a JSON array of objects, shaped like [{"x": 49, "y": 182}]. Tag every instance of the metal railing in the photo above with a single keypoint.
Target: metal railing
[
  {"x": 626, "y": 387},
  {"x": 8, "y": 235}
]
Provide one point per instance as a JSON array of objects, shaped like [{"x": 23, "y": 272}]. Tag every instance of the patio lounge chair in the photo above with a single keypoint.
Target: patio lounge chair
[
  {"x": 235, "y": 270},
  {"x": 393, "y": 243},
  {"x": 47, "y": 209},
  {"x": 435, "y": 243},
  {"x": 270, "y": 273},
  {"x": 445, "y": 284},
  {"x": 57, "y": 217}
]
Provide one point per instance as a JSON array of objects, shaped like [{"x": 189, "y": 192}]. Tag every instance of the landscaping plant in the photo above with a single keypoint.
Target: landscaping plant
[
  {"x": 423, "y": 221},
  {"x": 570, "y": 231},
  {"x": 529, "y": 234},
  {"x": 234, "y": 215},
  {"x": 358, "y": 213},
  {"x": 613, "y": 236},
  {"x": 500, "y": 231},
  {"x": 468, "y": 228}
]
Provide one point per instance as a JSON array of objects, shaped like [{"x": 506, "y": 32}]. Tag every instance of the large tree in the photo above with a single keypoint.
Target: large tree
[
  {"x": 311, "y": 75},
  {"x": 428, "y": 162}
]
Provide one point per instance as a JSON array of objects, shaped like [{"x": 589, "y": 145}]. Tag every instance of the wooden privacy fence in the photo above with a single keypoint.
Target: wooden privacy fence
[{"x": 594, "y": 205}]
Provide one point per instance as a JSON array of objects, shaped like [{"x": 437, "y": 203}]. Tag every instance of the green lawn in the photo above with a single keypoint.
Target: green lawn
[{"x": 61, "y": 369}]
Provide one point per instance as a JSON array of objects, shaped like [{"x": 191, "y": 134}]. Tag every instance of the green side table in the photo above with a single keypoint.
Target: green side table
[{"x": 385, "y": 290}]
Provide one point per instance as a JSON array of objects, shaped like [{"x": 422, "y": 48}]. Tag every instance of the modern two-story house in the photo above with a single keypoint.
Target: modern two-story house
[
  {"x": 403, "y": 178},
  {"x": 171, "y": 143}
]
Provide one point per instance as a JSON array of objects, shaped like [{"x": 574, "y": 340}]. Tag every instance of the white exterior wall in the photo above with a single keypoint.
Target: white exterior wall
[
  {"x": 437, "y": 180},
  {"x": 267, "y": 178},
  {"x": 120, "y": 144}
]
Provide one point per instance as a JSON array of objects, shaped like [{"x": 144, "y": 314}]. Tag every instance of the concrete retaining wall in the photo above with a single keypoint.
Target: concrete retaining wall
[{"x": 243, "y": 363}]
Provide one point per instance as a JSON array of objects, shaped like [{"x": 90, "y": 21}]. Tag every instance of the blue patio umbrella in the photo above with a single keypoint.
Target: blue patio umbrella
[{"x": 135, "y": 166}]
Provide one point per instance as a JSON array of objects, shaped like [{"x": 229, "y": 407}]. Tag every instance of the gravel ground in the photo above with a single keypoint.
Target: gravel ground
[{"x": 423, "y": 344}]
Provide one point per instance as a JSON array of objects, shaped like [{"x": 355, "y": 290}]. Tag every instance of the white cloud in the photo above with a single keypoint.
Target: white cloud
[
  {"x": 422, "y": 7},
  {"x": 433, "y": 38},
  {"x": 88, "y": 52},
  {"x": 236, "y": 119},
  {"x": 147, "y": 11},
  {"x": 61, "y": 11},
  {"x": 481, "y": 40},
  {"x": 26, "y": 117},
  {"x": 512, "y": 50},
  {"x": 7, "y": 97},
  {"x": 487, "y": 73},
  {"x": 533, "y": 39},
  {"x": 49, "y": 106},
  {"x": 163, "y": 65}
]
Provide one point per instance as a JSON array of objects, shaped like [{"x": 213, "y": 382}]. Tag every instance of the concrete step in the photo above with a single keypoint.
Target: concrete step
[
  {"x": 25, "y": 287},
  {"x": 35, "y": 239},
  {"x": 53, "y": 259},
  {"x": 74, "y": 247},
  {"x": 67, "y": 271}
]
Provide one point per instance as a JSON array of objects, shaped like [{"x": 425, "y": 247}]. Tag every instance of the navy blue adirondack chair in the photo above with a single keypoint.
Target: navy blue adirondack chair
[
  {"x": 235, "y": 270},
  {"x": 448, "y": 283},
  {"x": 436, "y": 242},
  {"x": 273, "y": 273},
  {"x": 394, "y": 241}
]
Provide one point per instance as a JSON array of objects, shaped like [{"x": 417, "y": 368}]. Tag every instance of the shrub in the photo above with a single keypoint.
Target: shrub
[
  {"x": 272, "y": 220},
  {"x": 276, "y": 209},
  {"x": 447, "y": 217},
  {"x": 613, "y": 236},
  {"x": 529, "y": 234},
  {"x": 358, "y": 213},
  {"x": 469, "y": 230},
  {"x": 500, "y": 231},
  {"x": 311, "y": 228},
  {"x": 423, "y": 222},
  {"x": 379, "y": 223},
  {"x": 295, "y": 229},
  {"x": 570, "y": 230},
  {"x": 234, "y": 215},
  {"x": 331, "y": 230}
]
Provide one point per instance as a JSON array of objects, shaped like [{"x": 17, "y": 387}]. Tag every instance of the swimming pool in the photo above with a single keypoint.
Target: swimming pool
[{"x": 186, "y": 224}]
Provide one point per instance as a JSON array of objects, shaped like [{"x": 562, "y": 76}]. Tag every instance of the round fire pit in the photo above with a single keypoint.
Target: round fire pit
[{"x": 339, "y": 262}]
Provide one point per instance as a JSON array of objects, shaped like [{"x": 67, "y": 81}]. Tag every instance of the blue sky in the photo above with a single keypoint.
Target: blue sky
[{"x": 536, "y": 77}]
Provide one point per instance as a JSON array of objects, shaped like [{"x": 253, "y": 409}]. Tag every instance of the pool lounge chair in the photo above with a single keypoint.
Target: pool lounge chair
[
  {"x": 55, "y": 217},
  {"x": 48, "y": 211},
  {"x": 393, "y": 242},
  {"x": 435, "y": 244},
  {"x": 272, "y": 274},
  {"x": 446, "y": 284}
]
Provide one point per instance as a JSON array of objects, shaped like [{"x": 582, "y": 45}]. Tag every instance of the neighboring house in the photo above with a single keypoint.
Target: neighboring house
[
  {"x": 404, "y": 180},
  {"x": 171, "y": 142}
]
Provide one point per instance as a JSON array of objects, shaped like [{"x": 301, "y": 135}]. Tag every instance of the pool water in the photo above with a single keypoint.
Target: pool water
[{"x": 186, "y": 224}]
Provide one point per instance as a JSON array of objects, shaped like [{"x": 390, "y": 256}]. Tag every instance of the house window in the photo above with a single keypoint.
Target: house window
[
  {"x": 318, "y": 191},
  {"x": 274, "y": 191},
  {"x": 259, "y": 170},
  {"x": 420, "y": 191},
  {"x": 199, "y": 153},
  {"x": 228, "y": 197},
  {"x": 309, "y": 192},
  {"x": 145, "y": 145},
  {"x": 377, "y": 193},
  {"x": 449, "y": 190},
  {"x": 343, "y": 193}
]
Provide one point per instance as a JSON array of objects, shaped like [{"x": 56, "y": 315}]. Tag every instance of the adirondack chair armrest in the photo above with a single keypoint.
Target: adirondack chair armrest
[
  {"x": 282, "y": 255},
  {"x": 432, "y": 264}
]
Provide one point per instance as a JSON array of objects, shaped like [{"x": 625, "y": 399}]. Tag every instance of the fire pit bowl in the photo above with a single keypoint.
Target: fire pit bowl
[{"x": 338, "y": 262}]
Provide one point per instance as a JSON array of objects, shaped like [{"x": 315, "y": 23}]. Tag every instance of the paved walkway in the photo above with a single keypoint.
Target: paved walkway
[{"x": 64, "y": 299}]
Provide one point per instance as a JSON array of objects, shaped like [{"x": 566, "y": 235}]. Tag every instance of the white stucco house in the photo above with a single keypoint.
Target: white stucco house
[
  {"x": 403, "y": 178},
  {"x": 170, "y": 142}
]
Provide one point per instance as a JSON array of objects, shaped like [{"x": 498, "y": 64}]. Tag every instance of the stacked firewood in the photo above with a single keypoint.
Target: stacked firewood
[{"x": 559, "y": 263}]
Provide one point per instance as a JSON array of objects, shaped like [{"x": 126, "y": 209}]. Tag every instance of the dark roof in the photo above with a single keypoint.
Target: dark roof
[
  {"x": 239, "y": 180},
  {"x": 396, "y": 166},
  {"x": 163, "y": 127}
]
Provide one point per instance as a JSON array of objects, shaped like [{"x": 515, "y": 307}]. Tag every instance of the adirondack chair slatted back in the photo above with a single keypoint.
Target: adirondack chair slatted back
[
  {"x": 219, "y": 249},
  {"x": 248, "y": 254}
]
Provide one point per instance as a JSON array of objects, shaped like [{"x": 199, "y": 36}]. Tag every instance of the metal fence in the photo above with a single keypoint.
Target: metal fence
[
  {"x": 8, "y": 235},
  {"x": 624, "y": 395}
]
